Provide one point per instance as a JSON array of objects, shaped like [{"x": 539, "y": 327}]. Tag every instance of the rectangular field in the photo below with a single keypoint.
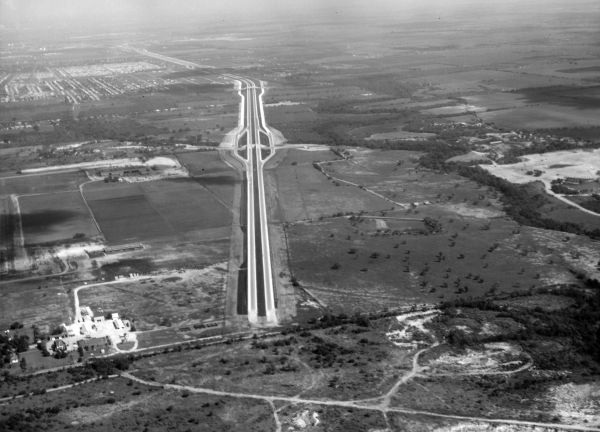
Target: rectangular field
[
  {"x": 203, "y": 163},
  {"x": 43, "y": 183},
  {"x": 55, "y": 217},
  {"x": 129, "y": 218},
  {"x": 144, "y": 211}
]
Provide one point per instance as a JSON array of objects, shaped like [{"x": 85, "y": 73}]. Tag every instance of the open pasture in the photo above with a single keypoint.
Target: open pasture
[
  {"x": 303, "y": 192},
  {"x": 296, "y": 122},
  {"x": 33, "y": 302},
  {"x": 386, "y": 258},
  {"x": 348, "y": 265},
  {"x": 175, "y": 299},
  {"x": 396, "y": 175}
]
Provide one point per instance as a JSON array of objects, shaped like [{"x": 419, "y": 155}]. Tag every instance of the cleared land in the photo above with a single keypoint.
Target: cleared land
[
  {"x": 179, "y": 299},
  {"x": 42, "y": 183},
  {"x": 55, "y": 217},
  {"x": 377, "y": 260},
  {"x": 144, "y": 211},
  {"x": 304, "y": 193},
  {"x": 42, "y": 303}
]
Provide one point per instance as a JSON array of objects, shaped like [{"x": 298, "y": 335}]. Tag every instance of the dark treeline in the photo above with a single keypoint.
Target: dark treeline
[
  {"x": 579, "y": 323},
  {"x": 522, "y": 204}
]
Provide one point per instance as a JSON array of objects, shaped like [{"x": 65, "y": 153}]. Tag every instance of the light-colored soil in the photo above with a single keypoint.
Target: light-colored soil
[
  {"x": 581, "y": 164},
  {"x": 543, "y": 116},
  {"x": 472, "y": 211},
  {"x": 493, "y": 358},
  {"x": 471, "y": 156},
  {"x": 400, "y": 135},
  {"x": 577, "y": 403}
]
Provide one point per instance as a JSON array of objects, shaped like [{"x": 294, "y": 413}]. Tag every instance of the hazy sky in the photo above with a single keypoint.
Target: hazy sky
[{"x": 92, "y": 14}]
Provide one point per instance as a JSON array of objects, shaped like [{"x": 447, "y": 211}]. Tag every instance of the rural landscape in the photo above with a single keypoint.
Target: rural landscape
[{"x": 319, "y": 216}]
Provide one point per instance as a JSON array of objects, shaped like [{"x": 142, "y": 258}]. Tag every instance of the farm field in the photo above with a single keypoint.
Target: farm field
[
  {"x": 210, "y": 171},
  {"x": 42, "y": 183},
  {"x": 164, "y": 208},
  {"x": 204, "y": 163},
  {"x": 55, "y": 217}
]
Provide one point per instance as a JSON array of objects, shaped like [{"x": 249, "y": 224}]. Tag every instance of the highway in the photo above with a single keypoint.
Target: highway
[{"x": 253, "y": 147}]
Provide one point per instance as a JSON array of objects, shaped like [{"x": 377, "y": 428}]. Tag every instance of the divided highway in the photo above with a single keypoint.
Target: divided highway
[{"x": 254, "y": 146}]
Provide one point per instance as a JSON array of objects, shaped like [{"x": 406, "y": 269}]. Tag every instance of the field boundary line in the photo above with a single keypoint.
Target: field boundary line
[
  {"x": 88, "y": 206},
  {"x": 366, "y": 189}
]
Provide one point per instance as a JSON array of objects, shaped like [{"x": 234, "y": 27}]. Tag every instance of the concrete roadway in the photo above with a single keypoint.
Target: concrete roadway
[
  {"x": 256, "y": 269},
  {"x": 254, "y": 154}
]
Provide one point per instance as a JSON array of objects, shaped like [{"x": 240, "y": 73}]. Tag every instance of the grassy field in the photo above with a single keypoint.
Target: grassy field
[
  {"x": 388, "y": 258},
  {"x": 302, "y": 192},
  {"x": 177, "y": 299},
  {"x": 118, "y": 404},
  {"x": 397, "y": 175},
  {"x": 165, "y": 208},
  {"x": 44, "y": 183},
  {"x": 31, "y": 302},
  {"x": 349, "y": 265},
  {"x": 209, "y": 170},
  {"x": 543, "y": 117},
  {"x": 54, "y": 217},
  {"x": 203, "y": 163}
]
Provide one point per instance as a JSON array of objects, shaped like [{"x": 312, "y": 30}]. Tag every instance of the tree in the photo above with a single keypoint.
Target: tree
[
  {"x": 16, "y": 325},
  {"x": 21, "y": 343}
]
